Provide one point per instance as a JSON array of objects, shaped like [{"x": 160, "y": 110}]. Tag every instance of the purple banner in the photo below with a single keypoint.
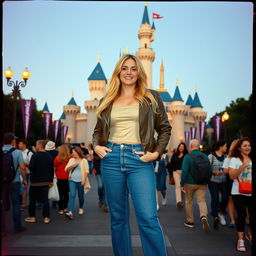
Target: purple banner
[
  {"x": 27, "y": 107},
  {"x": 64, "y": 132},
  {"x": 217, "y": 126},
  {"x": 47, "y": 123},
  {"x": 187, "y": 134},
  {"x": 202, "y": 125},
  {"x": 56, "y": 127},
  {"x": 192, "y": 133}
]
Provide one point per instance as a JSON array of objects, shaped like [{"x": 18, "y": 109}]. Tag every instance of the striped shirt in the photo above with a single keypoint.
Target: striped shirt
[{"x": 217, "y": 165}]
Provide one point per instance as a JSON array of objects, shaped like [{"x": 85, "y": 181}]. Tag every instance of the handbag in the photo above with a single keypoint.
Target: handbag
[
  {"x": 244, "y": 187},
  {"x": 87, "y": 186},
  {"x": 53, "y": 191}
]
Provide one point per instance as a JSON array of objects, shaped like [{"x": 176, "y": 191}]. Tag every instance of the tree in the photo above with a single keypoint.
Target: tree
[{"x": 240, "y": 123}]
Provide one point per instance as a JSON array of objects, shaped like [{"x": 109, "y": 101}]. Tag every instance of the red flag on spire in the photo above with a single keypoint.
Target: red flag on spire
[{"x": 156, "y": 16}]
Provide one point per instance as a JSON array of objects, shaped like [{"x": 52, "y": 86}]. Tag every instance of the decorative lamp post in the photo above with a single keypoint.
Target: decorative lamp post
[
  {"x": 225, "y": 118},
  {"x": 16, "y": 88}
]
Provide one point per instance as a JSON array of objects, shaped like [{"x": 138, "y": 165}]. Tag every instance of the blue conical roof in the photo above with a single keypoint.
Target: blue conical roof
[
  {"x": 189, "y": 100},
  {"x": 196, "y": 102},
  {"x": 153, "y": 26},
  {"x": 165, "y": 96},
  {"x": 46, "y": 107},
  {"x": 177, "y": 96},
  {"x": 97, "y": 73},
  {"x": 63, "y": 116},
  {"x": 72, "y": 102},
  {"x": 145, "y": 18}
]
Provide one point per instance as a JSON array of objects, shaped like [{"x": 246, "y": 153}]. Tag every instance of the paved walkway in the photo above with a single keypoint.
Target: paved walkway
[{"x": 89, "y": 234}]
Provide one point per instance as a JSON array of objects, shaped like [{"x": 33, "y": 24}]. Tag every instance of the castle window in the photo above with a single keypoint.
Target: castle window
[{"x": 145, "y": 45}]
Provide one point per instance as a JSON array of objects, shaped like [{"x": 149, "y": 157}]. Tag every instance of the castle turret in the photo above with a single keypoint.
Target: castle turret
[
  {"x": 145, "y": 52},
  {"x": 177, "y": 110},
  {"x": 45, "y": 108},
  {"x": 71, "y": 110},
  {"x": 197, "y": 112},
  {"x": 63, "y": 118},
  {"x": 97, "y": 82}
]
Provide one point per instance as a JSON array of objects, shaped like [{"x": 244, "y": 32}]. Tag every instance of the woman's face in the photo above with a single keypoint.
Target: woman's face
[
  {"x": 181, "y": 148},
  {"x": 129, "y": 72},
  {"x": 245, "y": 147},
  {"x": 224, "y": 148},
  {"x": 74, "y": 153}
]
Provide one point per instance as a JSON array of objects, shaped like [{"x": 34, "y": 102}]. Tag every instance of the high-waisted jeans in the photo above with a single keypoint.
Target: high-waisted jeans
[{"x": 123, "y": 173}]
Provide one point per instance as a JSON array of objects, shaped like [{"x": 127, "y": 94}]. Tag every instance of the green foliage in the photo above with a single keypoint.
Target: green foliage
[{"x": 240, "y": 120}]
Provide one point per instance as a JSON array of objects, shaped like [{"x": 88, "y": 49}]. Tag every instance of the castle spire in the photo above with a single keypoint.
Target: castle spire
[
  {"x": 145, "y": 19},
  {"x": 162, "y": 76}
]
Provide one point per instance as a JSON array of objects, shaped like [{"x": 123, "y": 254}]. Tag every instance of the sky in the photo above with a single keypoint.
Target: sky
[{"x": 206, "y": 45}]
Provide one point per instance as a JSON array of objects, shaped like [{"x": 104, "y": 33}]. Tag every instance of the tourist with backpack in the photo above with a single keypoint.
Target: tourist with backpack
[
  {"x": 218, "y": 184},
  {"x": 240, "y": 171},
  {"x": 13, "y": 167},
  {"x": 195, "y": 175}
]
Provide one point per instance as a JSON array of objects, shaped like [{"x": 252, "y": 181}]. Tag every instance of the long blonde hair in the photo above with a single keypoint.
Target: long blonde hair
[
  {"x": 114, "y": 90},
  {"x": 234, "y": 142}
]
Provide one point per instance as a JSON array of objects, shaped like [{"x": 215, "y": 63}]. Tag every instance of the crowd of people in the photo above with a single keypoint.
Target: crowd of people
[{"x": 129, "y": 162}]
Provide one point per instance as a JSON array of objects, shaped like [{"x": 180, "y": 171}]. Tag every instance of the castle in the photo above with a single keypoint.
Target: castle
[{"x": 181, "y": 115}]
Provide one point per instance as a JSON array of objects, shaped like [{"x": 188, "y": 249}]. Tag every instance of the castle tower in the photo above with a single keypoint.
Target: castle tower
[
  {"x": 62, "y": 118},
  {"x": 197, "y": 113},
  {"x": 45, "y": 108},
  {"x": 97, "y": 86},
  {"x": 177, "y": 110},
  {"x": 71, "y": 110},
  {"x": 145, "y": 52},
  {"x": 97, "y": 82}
]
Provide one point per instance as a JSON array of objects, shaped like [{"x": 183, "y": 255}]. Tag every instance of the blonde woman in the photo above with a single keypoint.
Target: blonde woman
[
  {"x": 231, "y": 206},
  {"x": 123, "y": 138},
  {"x": 78, "y": 171}
]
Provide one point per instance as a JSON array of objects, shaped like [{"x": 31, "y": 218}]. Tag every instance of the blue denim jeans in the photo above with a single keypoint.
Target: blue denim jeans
[
  {"x": 16, "y": 203},
  {"x": 123, "y": 173},
  {"x": 101, "y": 190},
  {"x": 73, "y": 187}
]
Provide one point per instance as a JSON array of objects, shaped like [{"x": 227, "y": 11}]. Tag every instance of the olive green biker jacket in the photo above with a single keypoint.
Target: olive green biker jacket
[{"x": 149, "y": 122}]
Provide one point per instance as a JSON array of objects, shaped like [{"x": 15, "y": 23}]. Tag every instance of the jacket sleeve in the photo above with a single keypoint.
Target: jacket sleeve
[
  {"x": 184, "y": 171},
  {"x": 162, "y": 126},
  {"x": 97, "y": 133}
]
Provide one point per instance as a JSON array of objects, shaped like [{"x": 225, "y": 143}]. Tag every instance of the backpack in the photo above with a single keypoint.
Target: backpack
[
  {"x": 8, "y": 169},
  {"x": 202, "y": 172}
]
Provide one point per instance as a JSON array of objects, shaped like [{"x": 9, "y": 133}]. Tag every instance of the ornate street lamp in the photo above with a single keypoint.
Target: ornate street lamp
[
  {"x": 16, "y": 88},
  {"x": 225, "y": 118}
]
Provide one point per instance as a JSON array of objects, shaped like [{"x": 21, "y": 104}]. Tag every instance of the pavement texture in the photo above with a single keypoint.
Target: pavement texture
[{"x": 89, "y": 234}]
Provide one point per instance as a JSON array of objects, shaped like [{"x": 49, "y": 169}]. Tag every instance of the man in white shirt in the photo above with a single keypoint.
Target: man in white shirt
[{"x": 26, "y": 153}]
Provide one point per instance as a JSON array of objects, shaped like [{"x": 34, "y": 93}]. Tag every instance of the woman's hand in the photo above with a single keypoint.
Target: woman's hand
[
  {"x": 101, "y": 151},
  {"x": 148, "y": 156}
]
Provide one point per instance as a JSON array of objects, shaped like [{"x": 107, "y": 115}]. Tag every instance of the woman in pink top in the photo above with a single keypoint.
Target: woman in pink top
[{"x": 60, "y": 163}]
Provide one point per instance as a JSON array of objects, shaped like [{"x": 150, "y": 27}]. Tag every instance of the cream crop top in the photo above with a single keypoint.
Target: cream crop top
[{"x": 124, "y": 124}]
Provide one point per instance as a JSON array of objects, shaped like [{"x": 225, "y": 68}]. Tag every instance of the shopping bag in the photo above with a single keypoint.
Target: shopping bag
[
  {"x": 87, "y": 185},
  {"x": 54, "y": 192}
]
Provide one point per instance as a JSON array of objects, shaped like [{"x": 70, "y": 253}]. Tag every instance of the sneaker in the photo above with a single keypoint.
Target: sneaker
[
  {"x": 216, "y": 223},
  {"x": 205, "y": 224},
  {"x": 248, "y": 237},
  {"x": 47, "y": 220},
  {"x": 240, "y": 246},
  {"x": 69, "y": 215},
  {"x": 100, "y": 203},
  {"x": 81, "y": 211},
  {"x": 222, "y": 219},
  {"x": 60, "y": 212},
  {"x": 164, "y": 200},
  {"x": 189, "y": 224},
  {"x": 179, "y": 205},
  {"x": 30, "y": 219}
]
